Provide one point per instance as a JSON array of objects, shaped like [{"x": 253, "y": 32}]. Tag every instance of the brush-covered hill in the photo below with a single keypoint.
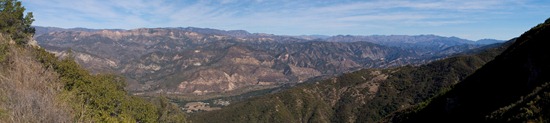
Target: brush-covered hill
[
  {"x": 362, "y": 96},
  {"x": 511, "y": 88},
  {"x": 37, "y": 86}
]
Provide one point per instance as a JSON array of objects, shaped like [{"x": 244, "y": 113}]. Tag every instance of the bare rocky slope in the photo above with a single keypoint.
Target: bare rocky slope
[{"x": 198, "y": 61}]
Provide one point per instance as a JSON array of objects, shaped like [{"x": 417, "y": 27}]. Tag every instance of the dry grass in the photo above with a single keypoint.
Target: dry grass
[{"x": 28, "y": 91}]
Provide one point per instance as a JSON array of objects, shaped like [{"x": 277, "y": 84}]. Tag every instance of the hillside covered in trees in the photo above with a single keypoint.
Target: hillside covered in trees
[
  {"x": 511, "y": 88},
  {"x": 36, "y": 86}
]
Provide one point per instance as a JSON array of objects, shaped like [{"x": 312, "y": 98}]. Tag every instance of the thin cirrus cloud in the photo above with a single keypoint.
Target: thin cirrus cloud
[{"x": 472, "y": 19}]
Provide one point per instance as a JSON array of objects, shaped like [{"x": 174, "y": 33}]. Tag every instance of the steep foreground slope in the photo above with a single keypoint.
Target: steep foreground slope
[
  {"x": 361, "y": 96},
  {"x": 29, "y": 92},
  {"x": 512, "y": 88},
  {"x": 35, "y": 86}
]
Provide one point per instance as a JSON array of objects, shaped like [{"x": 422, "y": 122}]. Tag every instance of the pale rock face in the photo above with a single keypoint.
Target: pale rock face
[
  {"x": 153, "y": 67},
  {"x": 216, "y": 80},
  {"x": 211, "y": 81},
  {"x": 96, "y": 64},
  {"x": 177, "y": 57},
  {"x": 33, "y": 43},
  {"x": 84, "y": 57},
  {"x": 304, "y": 73},
  {"x": 112, "y": 63},
  {"x": 197, "y": 64},
  {"x": 246, "y": 60}
]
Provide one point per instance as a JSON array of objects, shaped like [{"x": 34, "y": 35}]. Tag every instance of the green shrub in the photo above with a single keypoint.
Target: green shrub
[
  {"x": 102, "y": 98},
  {"x": 14, "y": 22}
]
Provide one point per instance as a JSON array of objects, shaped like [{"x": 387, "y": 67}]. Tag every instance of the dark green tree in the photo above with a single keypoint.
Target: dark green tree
[{"x": 14, "y": 23}]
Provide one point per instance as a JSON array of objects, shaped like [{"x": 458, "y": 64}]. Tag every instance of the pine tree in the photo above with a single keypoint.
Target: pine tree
[{"x": 14, "y": 23}]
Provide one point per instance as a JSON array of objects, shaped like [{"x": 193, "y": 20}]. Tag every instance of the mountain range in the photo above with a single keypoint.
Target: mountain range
[{"x": 200, "y": 61}]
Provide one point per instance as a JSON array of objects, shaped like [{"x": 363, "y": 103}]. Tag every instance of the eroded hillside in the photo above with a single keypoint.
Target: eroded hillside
[{"x": 193, "y": 62}]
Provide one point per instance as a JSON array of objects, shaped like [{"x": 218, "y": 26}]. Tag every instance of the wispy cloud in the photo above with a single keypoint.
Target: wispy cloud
[{"x": 292, "y": 17}]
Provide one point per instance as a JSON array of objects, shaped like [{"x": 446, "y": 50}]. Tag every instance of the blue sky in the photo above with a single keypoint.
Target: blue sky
[{"x": 470, "y": 19}]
